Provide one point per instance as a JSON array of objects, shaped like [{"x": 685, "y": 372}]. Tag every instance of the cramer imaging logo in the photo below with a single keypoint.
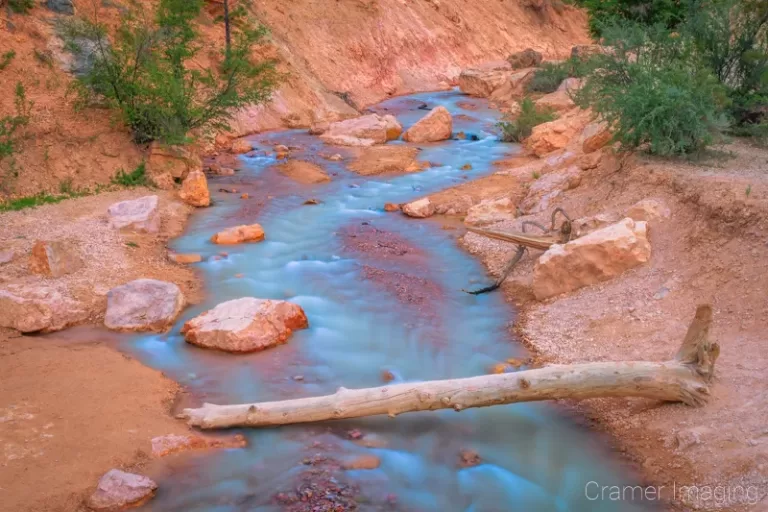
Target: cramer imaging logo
[{"x": 699, "y": 496}]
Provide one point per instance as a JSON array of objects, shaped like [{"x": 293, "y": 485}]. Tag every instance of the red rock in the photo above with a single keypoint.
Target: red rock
[
  {"x": 420, "y": 208},
  {"x": 244, "y": 196},
  {"x": 359, "y": 130},
  {"x": 239, "y": 234},
  {"x": 361, "y": 462},
  {"x": 435, "y": 126},
  {"x": 648, "y": 210},
  {"x": 469, "y": 458},
  {"x": 385, "y": 159},
  {"x": 391, "y": 207},
  {"x": 466, "y": 167},
  {"x": 117, "y": 490},
  {"x": 194, "y": 190},
  {"x": 172, "y": 443},
  {"x": 184, "y": 259},
  {"x": 528, "y": 58},
  {"x": 245, "y": 325},
  {"x": 596, "y": 135},
  {"x": 303, "y": 172},
  {"x": 54, "y": 259},
  {"x": 177, "y": 161},
  {"x": 241, "y": 146}
]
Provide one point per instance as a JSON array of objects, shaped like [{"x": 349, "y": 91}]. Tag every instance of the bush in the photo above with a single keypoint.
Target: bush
[
  {"x": 21, "y": 6},
  {"x": 518, "y": 129},
  {"x": 606, "y": 13},
  {"x": 548, "y": 77},
  {"x": 136, "y": 178},
  {"x": 10, "y": 125},
  {"x": 148, "y": 76},
  {"x": 655, "y": 91}
]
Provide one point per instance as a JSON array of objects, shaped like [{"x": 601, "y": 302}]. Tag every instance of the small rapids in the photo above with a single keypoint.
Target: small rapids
[{"x": 531, "y": 457}]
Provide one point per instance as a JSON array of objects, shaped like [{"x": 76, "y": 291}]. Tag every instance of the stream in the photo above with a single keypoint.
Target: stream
[{"x": 532, "y": 456}]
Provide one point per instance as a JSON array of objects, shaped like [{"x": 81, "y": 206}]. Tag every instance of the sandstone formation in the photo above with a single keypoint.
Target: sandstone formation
[
  {"x": 194, "y": 190},
  {"x": 435, "y": 126},
  {"x": 549, "y": 186},
  {"x": 528, "y": 58},
  {"x": 245, "y": 325},
  {"x": 303, "y": 172},
  {"x": 420, "y": 208},
  {"x": 137, "y": 215},
  {"x": 595, "y": 136},
  {"x": 54, "y": 259},
  {"x": 143, "y": 305},
  {"x": 239, "y": 235},
  {"x": 596, "y": 257},
  {"x": 118, "y": 490},
  {"x": 548, "y": 137}
]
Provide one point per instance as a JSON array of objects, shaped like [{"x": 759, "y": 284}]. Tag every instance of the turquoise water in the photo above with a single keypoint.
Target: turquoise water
[{"x": 533, "y": 459}]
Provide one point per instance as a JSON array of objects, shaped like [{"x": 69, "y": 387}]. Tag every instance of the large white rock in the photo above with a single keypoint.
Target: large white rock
[
  {"x": 139, "y": 215},
  {"x": 39, "y": 309},
  {"x": 143, "y": 305},
  {"x": 118, "y": 490},
  {"x": 491, "y": 210},
  {"x": 245, "y": 325},
  {"x": 359, "y": 130},
  {"x": 596, "y": 257},
  {"x": 435, "y": 126},
  {"x": 546, "y": 188}
]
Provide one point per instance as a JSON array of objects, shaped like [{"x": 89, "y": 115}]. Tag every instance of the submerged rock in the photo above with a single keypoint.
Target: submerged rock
[
  {"x": 596, "y": 257},
  {"x": 245, "y": 325},
  {"x": 143, "y": 305},
  {"x": 117, "y": 490},
  {"x": 138, "y": 215},
  {"x": 303, "y": 172},
  {"x": 239, "y": 235},
  {"x": 366, "y": 461},
  {"x": 54, "y": 259},
  {"x": 167, "y": 445},
  {"x": 385, "y": 159},
  {"x": 419, "y": 209},
  {"x": 435, "y": 126},
  {"x": 194, "y": 191},
  {"x": 184, "y": 259}
]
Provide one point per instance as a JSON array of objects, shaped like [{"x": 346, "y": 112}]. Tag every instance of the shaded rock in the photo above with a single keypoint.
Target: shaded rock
[
  {"x": 61, "y": 6},
  {"x": 318, "y": 128},
  {"x": 365, "y": 461},
  {"x": 336, "y": 158},
  {"x": 512, "y": 90},
  {"x": 163, "y": 181},
  {"x": 166, "y": 445},
  {"x": 184, "y": 259},
  {"x": 194, "y": 191},
  {"x": 174, "y": 160},
  {"x": 385, "y": 159},
  {"x": 54, "y": 259},
  {"x": 491, "y": 210},
  {"x": 571, "y": 85},
  {"x": 239, "y": 234},
  {"x": 528, "y": 58},
  {"x": 420, "y": 208},
  {"x": 585, "y": 225},
  {"x": 585, "y": 51},
  {"x": 245, "y": 325},
  {"x": 39, "y": 309},
  {"x": 118, "y": 489},
  {"x": 435, "y": 126},
  {"x": 137, "y": 215},
  {"x": 469, "y": 458},
  {"x": 590, "y": 161},
  {"x": 218, "y": 170},
  {"x": 303, "y": 172},
  {"x": 6, "y": 257},
  {"x": 241, "y": 146},
  {"x": 595, "y": 136},
  {"x": 648, "y": 210},
  {"x": 373, "y": 127},
  {"x": 596, "y": 257},
  {"x": 482, "y": 83},
  {"x": 143, "y": 305},
  {"x": 548, "y": 187},
  {"x": 548, "y": 137},
  {"x": 558, "y": 101}
]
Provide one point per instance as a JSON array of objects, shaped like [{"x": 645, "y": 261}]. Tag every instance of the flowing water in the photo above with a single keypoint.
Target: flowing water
[{"x": 532, "y": 458}]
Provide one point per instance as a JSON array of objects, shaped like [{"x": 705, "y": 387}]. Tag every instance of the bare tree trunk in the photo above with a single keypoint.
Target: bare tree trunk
[
  {"x": 684, "y": 379},
  {"x": 227, "y": 29}
]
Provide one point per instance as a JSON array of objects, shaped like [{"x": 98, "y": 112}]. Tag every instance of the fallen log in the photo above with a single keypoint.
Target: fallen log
[{"x": 684, "y": 379}]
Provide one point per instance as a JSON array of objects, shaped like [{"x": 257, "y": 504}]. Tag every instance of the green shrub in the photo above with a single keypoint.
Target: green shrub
[
  {"x": 21, "y": 6},
  {"x": 6, "y": 59},
  {"x": 548, "y": 77},
  {"x": 148, "y": 76},
  {"x": 655, "y": 91},
  {"x": 136, "y": 178},
  {"x": 606, "y": 13},
  {"x": 516, "y": 130},
  {"x": 10, "y": 125}
]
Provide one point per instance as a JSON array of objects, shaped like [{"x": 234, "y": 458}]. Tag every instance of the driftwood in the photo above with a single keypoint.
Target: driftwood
[{"x": 685, "y": 379}]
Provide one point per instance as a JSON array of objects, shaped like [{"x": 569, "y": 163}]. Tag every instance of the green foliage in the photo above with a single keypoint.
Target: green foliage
[
  {"x": 548, "y": 77},
  {"x": 148, "y": 76},
  {"x": 516, "y": 130},
  {"x": 21, "y": 6},
  {"x": 655, "y": 91},
  {"x": 33, "y": 201},
  {"x": 10, "y": 125},
  {"x": 6, "y": 59},
  {"x": 137, "y": 178},
  {"x": 606, "y": 13}
]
